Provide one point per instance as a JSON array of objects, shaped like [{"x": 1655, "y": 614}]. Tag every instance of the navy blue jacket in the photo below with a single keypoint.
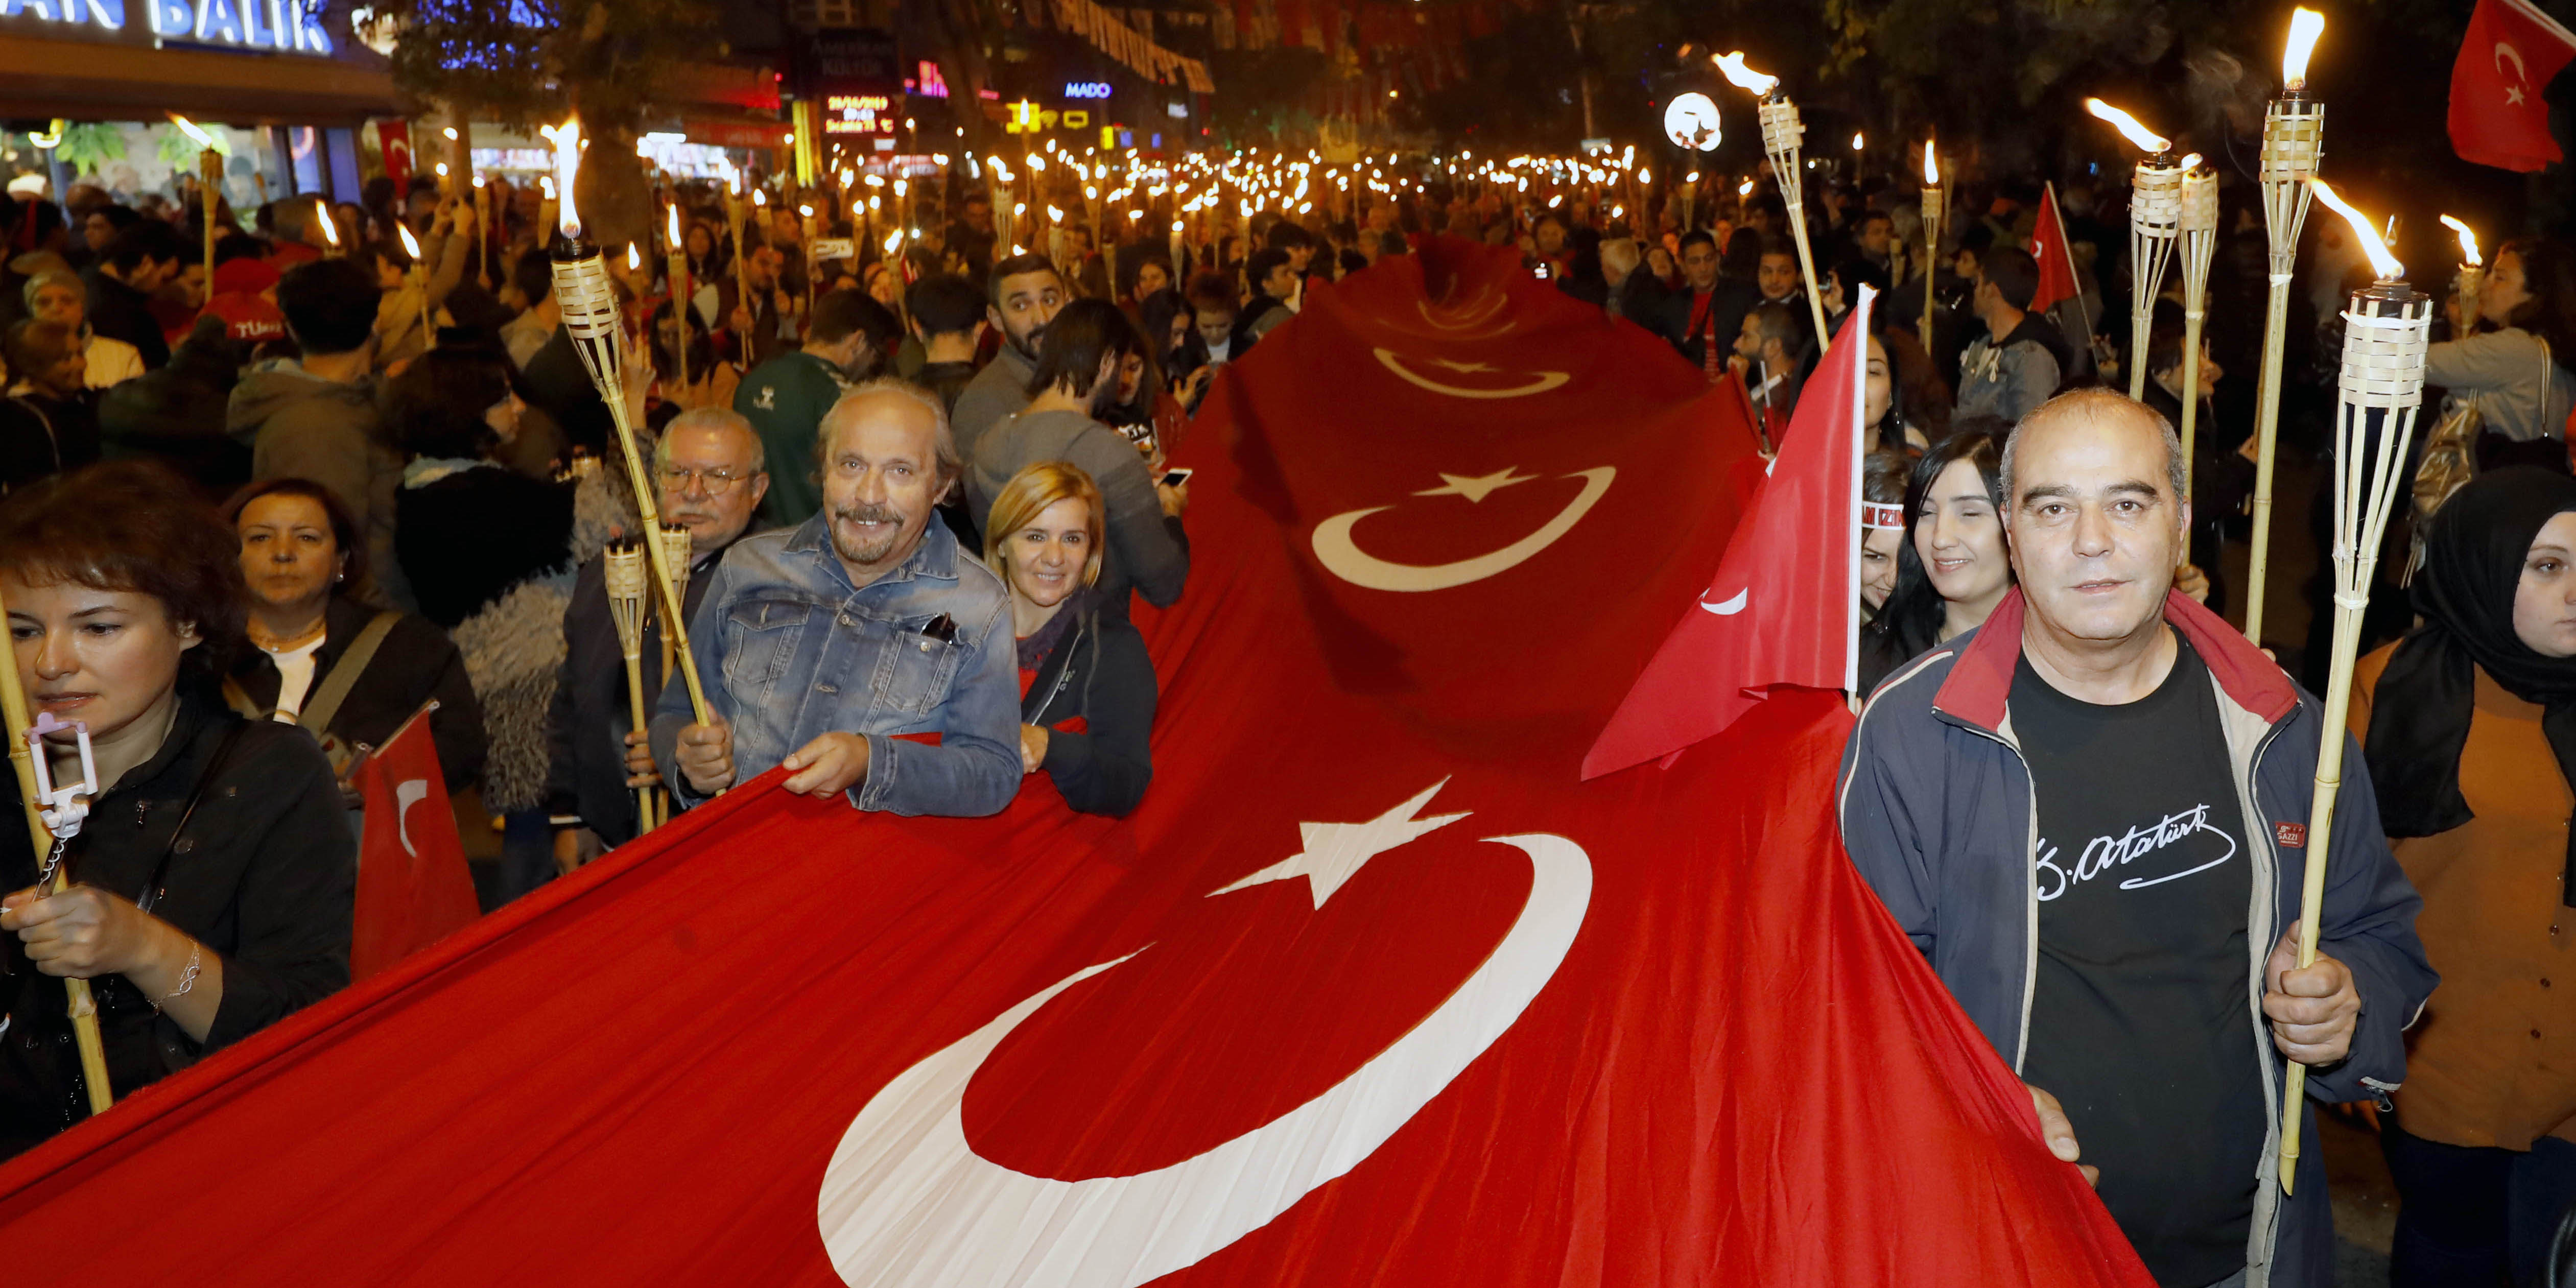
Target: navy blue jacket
[{"x": 1937, "y": 812}]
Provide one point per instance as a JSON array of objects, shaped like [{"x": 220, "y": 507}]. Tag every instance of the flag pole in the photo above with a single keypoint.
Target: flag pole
[
  {"x": 2066, "y": 251},
  {"x": 1860, "y": 501}
]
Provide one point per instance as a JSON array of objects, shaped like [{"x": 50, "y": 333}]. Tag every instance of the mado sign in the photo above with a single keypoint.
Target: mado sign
[
  {"x": 1086, "y": 89},
  {"x": 282, "y": 26}
]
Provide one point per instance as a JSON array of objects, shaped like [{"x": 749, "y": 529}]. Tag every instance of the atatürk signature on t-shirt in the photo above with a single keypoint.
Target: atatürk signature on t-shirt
[{"x": 2104, "y": 853}]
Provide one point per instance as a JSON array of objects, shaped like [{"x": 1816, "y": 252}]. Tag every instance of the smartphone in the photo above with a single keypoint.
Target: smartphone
[{"x": 1175, "y": 477}]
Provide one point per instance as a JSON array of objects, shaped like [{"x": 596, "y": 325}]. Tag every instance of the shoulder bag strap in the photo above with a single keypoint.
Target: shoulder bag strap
[{"x": 317, "y": 714}]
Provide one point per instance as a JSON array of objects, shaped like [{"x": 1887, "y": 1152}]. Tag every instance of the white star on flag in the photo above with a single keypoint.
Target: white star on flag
[
  {"x": 1335, "y": 852},
  {"x": 1477, "y": 488}
]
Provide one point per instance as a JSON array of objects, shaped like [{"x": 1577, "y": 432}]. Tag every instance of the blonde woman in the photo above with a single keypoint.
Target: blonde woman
[{"x": 1087, "y": 688}]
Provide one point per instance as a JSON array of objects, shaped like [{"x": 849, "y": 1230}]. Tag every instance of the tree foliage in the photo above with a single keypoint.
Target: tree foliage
[{"x": 524, "y": 62}]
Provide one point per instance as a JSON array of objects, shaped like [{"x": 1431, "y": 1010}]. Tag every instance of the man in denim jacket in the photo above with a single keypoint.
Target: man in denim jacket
[{"x": 861, "y": 649}]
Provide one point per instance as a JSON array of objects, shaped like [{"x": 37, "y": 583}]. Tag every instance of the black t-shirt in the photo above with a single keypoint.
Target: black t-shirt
[{"x": 2139, "y": 1022}]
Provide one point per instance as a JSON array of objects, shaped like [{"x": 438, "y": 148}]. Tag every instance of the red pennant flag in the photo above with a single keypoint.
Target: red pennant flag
[
  {"x": 2049, "y": 245},
  {"x": 1781, "y": 611},
  {"x": 2507, "y": 58},
  {"x": 1369, "y": 990},
  {"x": 413, "y": 885}
]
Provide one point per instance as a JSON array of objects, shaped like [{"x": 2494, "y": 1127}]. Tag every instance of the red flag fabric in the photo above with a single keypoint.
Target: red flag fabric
[
  {"x": 1781, "y": 608},
  {"x": 1371, "y": 990},
  {"x": 413, "y": 886},
  {"x": 2507, "y": 58},
  {"x": 2056, "y": 256}
]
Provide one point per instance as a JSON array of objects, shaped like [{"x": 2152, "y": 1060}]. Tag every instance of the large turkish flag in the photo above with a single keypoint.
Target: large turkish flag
[{"x": 1372, "y": 990}]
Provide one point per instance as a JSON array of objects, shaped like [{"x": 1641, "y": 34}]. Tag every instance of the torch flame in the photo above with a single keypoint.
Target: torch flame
[
  {"x": 330, "y": 226},
  {"x": 634, "y": 258},
  {"x": 2305, "y": 26},
  {"x": 1931, "y": 168},
  {"x": 567, "y": 141},
  {"x": 674, "y": 210},
  {"x": 1745, "y": 78},
  {"x": 894, "y": 241},
  {"x": 2190, "y": 161},
  {"x": 1857, "y": 138},
  {"x": 190, "y": 129},
  {"x": 2468, "y": 241},
  {"x": 2146, "y": 139},
  {"x": 411, "y": 244},
  {"x": 2381, "y": 262},
  {"x": 1744, "y": 189}
]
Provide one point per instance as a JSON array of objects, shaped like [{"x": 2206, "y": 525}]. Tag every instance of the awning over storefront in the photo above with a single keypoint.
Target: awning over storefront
[{"x": 114, "y": 60}]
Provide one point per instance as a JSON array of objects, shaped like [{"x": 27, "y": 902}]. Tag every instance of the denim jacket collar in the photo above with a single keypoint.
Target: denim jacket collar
[{"x": 935, "y": 556}]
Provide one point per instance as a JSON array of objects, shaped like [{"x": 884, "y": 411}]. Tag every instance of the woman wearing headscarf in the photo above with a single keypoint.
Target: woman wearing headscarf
[{"x": 2469, "y": 729}]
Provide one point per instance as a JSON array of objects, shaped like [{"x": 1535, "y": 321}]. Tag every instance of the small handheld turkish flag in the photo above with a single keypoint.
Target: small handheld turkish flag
[
  {"x": 413, "y": 885},
  {"x": 2048, "y": 245},
  {"x": 2508, "y": 56},
  {"x": 1784, "y": 607}
]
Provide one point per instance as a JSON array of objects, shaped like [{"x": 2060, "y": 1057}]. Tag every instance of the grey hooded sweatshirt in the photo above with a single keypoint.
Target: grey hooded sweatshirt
[{"x": 299, "y": 425}]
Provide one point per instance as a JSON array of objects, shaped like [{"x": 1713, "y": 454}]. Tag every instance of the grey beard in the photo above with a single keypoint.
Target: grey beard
[{"x": 873, "y": 553}]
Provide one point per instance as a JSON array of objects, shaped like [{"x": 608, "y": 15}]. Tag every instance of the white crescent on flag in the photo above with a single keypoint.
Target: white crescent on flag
[
  {"x": 407, "y": 793},
  {"x": 1341, "y": 555},
  {"x": 907, "y": 1202}
]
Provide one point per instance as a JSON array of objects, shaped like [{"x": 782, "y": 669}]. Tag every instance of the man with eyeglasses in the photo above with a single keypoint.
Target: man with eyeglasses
[{"x": 711, "y": 473}]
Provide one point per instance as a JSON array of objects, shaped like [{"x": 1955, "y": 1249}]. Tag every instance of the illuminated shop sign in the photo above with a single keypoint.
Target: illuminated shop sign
[
  {"x": 1086, "y": 89},
  {"x": 268, "y": 26},
  {"x": 862, "y": 115}
]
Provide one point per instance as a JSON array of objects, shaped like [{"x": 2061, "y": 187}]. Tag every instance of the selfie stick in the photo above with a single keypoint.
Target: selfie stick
[{"x": 35, "y": 788}]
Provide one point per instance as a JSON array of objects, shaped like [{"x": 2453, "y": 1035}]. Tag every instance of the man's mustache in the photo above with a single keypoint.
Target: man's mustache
[{"x": 867, "y": 514}]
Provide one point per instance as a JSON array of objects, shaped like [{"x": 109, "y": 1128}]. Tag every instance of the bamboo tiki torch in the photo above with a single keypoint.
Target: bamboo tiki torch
[
  {"x": 591, "y": 319},
  {"x": 2377, "y": 394},
  {"x": 2294, "y": 128},
  {"x": 676, "y": 267},
  {"x": 622, "y": 568},
  {"x": 482, "y": 231},
  {"x": 210, "y": 182},
  {"x": 419, "y": 276},
  {"x": 1936, "y": 206},
  {"x": 1782, "y": 137},
  {"x": 2155, "y": 220},
  {"x": 733, "y": 224},
  {"x": 2199, "y": 239},
  {"x": 677, "y": 553},
  {"x": 2472, "y": 277},
  {"x": 22, "y": 758}
]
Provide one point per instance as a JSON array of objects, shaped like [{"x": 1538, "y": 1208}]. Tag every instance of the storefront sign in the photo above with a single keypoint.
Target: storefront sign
[
  {"x": 838, "y": 63},
  {"x": 1086, "y": 89},
  {"x": 261, "y": 26}
]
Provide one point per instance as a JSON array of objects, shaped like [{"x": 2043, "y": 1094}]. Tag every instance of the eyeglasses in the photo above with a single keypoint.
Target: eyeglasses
[{"x": 716, "y": 482}]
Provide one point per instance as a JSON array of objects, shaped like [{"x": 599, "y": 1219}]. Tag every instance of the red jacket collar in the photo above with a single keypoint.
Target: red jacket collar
[{"x": 1980, "y": 681}]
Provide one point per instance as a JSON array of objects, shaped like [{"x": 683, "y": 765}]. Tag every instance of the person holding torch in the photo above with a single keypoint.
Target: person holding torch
[{"x": 2091, "y": 814}]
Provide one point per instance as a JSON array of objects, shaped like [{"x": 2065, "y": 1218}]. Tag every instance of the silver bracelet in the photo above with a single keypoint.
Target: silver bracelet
[{"x": 187, "y": 975}]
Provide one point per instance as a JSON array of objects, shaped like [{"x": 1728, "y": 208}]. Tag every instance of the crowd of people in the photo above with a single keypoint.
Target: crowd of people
[{"x": 325, "y": 490}]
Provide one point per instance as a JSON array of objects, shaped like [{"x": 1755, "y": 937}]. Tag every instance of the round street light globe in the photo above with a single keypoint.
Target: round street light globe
[{"x": 1690, "y": 120}]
